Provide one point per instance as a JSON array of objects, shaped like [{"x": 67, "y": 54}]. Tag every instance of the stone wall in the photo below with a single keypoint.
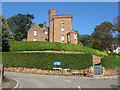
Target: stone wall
[
  {"x": 48, "y": 72},
  {"x": 96, "y": 59},
  {"x": 88, "y": 71}
]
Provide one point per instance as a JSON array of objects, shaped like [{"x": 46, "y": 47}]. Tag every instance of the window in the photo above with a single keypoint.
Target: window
[
  {"x": 68, "y": 38},
  {"x": 62, "y": 22},
  {"x": 62, "y": 38},
  {"x": 35, "y": 33},
  {"x": 62, "y": 29},
  {"x": 75, "y": 37},
  {"x": 46, "y": 33},
  {"x": 34, "y": 39}
]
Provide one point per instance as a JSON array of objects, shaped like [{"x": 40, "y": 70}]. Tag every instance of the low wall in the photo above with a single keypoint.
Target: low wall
[{"x": 48, "y": 72}]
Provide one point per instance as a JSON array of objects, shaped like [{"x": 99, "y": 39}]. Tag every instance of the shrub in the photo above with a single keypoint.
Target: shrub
[
  {"x": 111, "y": 62},
  {"x": 55, "y": 46},
  {"x": 45, "y": 60}
]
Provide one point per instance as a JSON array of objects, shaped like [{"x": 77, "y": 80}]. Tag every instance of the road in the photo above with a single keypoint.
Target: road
[{"x": 49, "y": 81}]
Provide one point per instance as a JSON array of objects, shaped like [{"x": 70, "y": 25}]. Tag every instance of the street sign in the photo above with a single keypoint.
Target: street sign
[
  {"x": 57, "y": 63},
  {"x": 97, "y": 69},
  {"x": 57, "y": 68}
]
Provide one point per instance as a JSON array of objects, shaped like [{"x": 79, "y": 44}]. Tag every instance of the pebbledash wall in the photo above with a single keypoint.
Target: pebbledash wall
[{"x": 59, "y": 30}]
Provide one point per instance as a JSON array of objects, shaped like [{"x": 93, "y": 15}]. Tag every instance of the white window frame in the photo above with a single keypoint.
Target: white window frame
[
  {"x": 62, "y": 38},
  {"x": 35, "y": 32},
  {"x": 62, "y": 29},
  {"x": 75, "y": 37},
  {"x": 68, "y": 38},
  {"x": 46, "y": 33},
  {"x": 62, "y": 22},
  {"x": 34, "y": 39}
]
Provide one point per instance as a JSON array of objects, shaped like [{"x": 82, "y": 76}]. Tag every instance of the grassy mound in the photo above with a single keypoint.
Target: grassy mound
[
  {"x": 46, "y": 60},
  {"x": 53, "y": 46}
]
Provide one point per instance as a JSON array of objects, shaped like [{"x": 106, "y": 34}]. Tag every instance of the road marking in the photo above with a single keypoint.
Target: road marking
[
  {"x": 68, "y": 80},
  {"x": 79, "y": 87}
]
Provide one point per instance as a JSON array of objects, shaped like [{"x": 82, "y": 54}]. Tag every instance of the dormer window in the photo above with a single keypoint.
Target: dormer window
[
  {"x": 62, "y": 22},
  {"x": 35, "y": 33}
]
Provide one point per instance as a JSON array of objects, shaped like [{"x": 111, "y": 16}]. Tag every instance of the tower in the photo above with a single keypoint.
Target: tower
[{"x": 52, "y": 12}]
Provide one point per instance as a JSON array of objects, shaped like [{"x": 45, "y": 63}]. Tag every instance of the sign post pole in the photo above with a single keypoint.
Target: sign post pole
[{"x": 57, "y": 64}]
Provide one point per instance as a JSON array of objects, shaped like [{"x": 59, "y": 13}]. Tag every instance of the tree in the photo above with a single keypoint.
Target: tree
[
  {"x": 41, "y": 25},
  {"x": 116, "y": 28},
  {"x": 19, "y": 25},
  {"x": 5, "y": 34},
  {"x": 102, "y": 36},
  {"x": 85, "y": 39}
]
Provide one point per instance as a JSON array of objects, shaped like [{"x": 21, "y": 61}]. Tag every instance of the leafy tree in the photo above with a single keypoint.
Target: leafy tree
[
  {"x": 41, "y": 25},
  {"x": 19, "y": 25},
  {"x": 116, "y": 28},
  {"x": 4, "y": 34},
  {"x": 102, "y": 36},
  {"x": 85, "y": 39}
]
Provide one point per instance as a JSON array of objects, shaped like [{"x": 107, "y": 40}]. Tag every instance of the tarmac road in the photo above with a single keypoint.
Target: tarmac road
[{"x": 51, "y": 81}]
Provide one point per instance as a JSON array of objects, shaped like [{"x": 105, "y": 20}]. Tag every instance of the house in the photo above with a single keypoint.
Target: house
[
  {"x": 59, "y": 30},
  {"x": 117, "y": 50}
]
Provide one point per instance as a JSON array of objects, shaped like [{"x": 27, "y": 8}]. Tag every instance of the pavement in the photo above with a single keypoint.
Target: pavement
[
  {"x": 51, "y": 81},
  {"x": 9, "y": 83}
]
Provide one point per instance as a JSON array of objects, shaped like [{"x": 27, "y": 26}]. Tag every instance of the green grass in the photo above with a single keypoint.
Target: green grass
[
  {"x": 111, "y": 62},
  {"x": 53, "y": 46},
  {"x": 45, "y": 60}
]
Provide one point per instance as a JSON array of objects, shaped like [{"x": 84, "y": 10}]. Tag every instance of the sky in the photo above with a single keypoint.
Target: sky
[{"x": 86, "y": 15}]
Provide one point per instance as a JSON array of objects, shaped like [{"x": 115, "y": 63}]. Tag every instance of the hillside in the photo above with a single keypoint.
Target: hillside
[{"x": 51, "y": 46}]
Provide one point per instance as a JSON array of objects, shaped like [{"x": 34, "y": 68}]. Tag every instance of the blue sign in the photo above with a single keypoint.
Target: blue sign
[{"x": 57, "y": 63}]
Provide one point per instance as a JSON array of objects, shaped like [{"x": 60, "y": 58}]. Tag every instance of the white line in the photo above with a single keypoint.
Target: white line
[
  {"x": 79, "y": 87},
  {"x": 68, "y": 80}
]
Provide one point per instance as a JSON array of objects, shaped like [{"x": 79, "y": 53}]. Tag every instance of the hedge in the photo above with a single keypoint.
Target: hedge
[
  {"x": 55, "y": 46},
  {"x": 45, "y": 60},
  {"x": 111, "y": 62}
]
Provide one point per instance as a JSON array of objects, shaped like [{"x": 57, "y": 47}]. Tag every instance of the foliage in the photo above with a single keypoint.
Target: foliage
[
  {"x": 111, "y": 62},
  {"x": 102, "y": 36},
  {"x": 5, "y": 34},
  {"x": 19, "y": 25},
  {"x": 55, "y": 46},
  {"x": 41, "y": 25},
  {"x": 46, "y": 60},
  {"x": 116, "y": 28},
  {"x": 85, "y": 39}
]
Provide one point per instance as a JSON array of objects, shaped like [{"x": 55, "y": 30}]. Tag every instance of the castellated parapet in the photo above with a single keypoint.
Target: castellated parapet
[{"x": 62, "y": 16}]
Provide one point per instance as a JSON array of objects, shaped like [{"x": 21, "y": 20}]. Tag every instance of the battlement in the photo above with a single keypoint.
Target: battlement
[{"x": 62, "y": 16}]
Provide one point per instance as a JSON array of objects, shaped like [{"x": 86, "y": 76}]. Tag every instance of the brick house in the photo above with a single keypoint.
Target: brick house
[{"x": 59, "y": 30}]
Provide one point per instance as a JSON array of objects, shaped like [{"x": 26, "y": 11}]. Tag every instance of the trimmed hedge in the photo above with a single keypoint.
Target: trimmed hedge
[
  {"x": 45, "y": 60},
  {"x": 111, "y": 62},
  {"x": 55, "y": 46}
]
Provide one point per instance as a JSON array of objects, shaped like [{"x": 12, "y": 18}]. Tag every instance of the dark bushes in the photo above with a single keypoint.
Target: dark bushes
[{"x": 45, "y": 60}]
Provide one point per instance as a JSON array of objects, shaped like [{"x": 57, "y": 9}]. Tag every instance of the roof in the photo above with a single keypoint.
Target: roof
[{"x": 72, "y": 31}]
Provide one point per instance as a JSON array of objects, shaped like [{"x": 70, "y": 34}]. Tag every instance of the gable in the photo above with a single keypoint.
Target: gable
[{"x": 35, "y": 27}]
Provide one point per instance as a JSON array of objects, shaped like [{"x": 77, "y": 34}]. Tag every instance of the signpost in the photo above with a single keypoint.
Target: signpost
[
  {"x": 57, "y": 64},
  {"x": 97, "y": 69}
]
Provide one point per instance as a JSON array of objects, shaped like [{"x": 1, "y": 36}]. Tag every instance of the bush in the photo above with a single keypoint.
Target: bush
[
  {"x": 111, "y": 62},
  {"x": 45, "y": 60},
  {"x": 55, "y": 46}
]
